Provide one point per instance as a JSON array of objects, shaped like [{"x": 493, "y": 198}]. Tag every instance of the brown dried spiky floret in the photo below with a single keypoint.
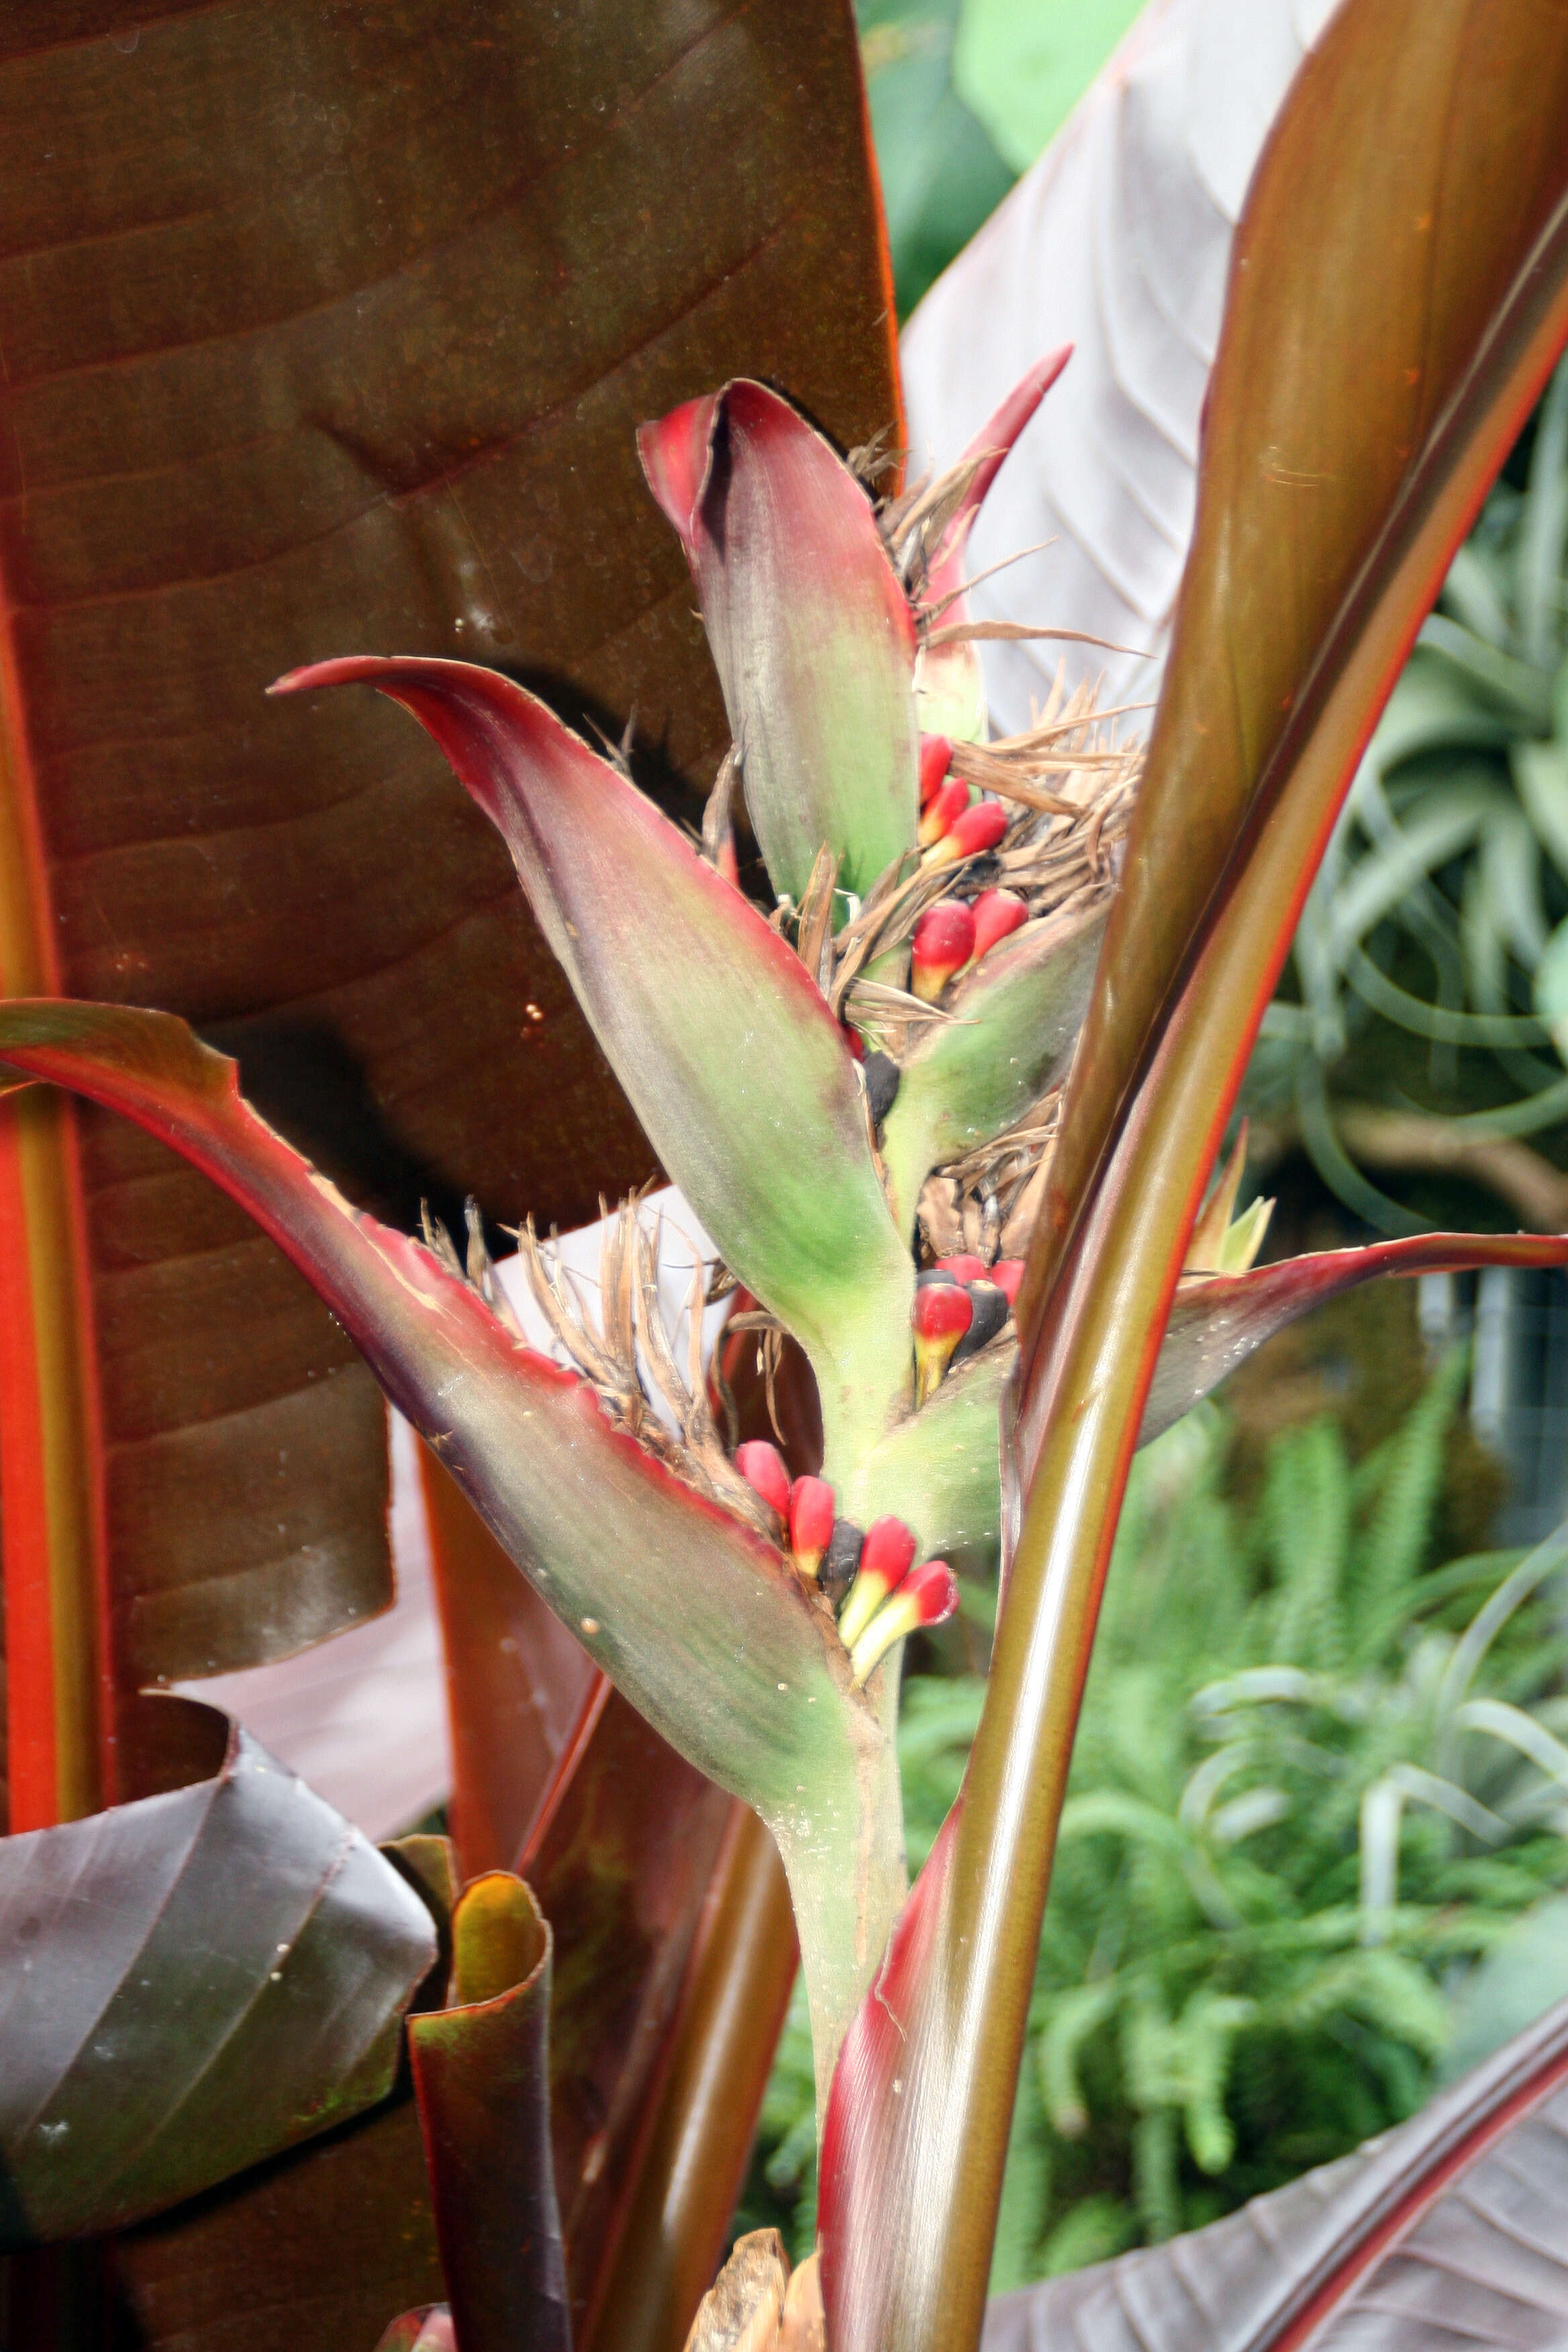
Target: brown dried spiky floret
[{"x": 625, "y": 1354}]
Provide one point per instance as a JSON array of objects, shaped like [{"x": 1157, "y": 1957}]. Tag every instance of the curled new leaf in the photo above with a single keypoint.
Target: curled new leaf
[
  {"x": 728, "y": 1052},
  {"x": 482, "y": 2075},
  {"x": 192, "y": 1982},
  {"x": 810, "y": 629},
  {"x": 698, "y": 1620}
]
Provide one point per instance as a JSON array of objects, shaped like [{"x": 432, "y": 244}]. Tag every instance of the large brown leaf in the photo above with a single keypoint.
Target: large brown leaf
[
  {"x": 1452, "y": 2229},
  {"x": 326, "y": 329}
]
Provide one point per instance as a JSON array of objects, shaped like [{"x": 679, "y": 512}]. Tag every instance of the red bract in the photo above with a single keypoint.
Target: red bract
[{"x": 943, "y": 1315}]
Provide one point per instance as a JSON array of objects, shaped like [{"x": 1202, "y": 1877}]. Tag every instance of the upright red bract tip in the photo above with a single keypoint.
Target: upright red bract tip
[{"x": 965, "y": 1267}]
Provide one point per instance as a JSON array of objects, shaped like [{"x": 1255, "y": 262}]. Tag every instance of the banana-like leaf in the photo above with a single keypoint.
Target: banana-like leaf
[
  {"x": 1452, "y": 2229},
  {"x": 674, "y": 2233},
  {"x": 481, "y": 2077},
  {"x": 350, "y": 363},
  {"x": 702, "y": 1625},
  {"x": 1016, "y": 1019},
  {"x": 189, "y": 1983},
  {"x": 810, "y": 630},
  {"x": 728, "y": 1051}
]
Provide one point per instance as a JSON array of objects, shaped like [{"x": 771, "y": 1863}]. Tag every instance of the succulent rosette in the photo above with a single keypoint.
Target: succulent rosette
[{"x": 855, "y": 1092}]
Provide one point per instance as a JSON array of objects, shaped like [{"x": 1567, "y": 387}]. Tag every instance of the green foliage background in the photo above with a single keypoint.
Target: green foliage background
[{"x": 964, "y": 95}]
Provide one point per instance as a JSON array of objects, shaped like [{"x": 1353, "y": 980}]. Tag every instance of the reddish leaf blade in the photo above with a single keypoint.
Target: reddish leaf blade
[
  {"x": 338, "y": 368},
  {"x": 809, "y": 626},
  {"x": 330, "y": 2241},
  {"x": 193, "y": 1982},
  {"x": 1326, "y": 442},
  {"x": 481, "y": 2077},
  {"x": 1218, "y": 1320},
  {"x": 1454, "y": 2222},
  {"x": 736, "y": 1067}
]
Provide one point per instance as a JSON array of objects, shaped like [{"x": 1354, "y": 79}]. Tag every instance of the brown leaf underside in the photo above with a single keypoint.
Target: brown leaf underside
[{"x": 282, "y": 380}]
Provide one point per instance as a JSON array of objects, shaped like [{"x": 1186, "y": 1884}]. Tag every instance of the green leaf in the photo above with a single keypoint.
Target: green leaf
[
  {"x": 810, "y": 630},
  {"x": 703, "y": 1626},
  {"x": 1023, "y": 70},
  {"x": 193, "y": 1982},
  {"x": 1016, "y": 1019},
  {"x": 727, "y": 1049}
]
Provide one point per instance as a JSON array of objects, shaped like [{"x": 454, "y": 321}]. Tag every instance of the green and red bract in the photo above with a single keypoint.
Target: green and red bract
[
  {"x": 727, "y": 1053},
  {"x": 1013, "y": 1022},
  {"x": 703, "y": 1625},
  {"x": 808, "y": 625}
]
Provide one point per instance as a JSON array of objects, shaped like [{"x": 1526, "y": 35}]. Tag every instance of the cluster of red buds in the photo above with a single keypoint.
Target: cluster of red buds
[
  {"x": 960, "y": 1307},
  {"x": 954, "y": 821},
  {"x": 873, "y": 1574}
]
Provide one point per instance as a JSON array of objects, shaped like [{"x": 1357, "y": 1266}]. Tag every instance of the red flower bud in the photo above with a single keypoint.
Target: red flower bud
[
  {"x": 943, "y": 1315},
  {"x": 761, "y": 1466},
  {"x": 965, "y": 1267},
  {"x": 927, "y": 1598},
  {"x": 946, "y": 806},
  {"x": 884, "y": 1557},
  {"x": 996, "y": 913},
  {"x": 1007, "y": 1274},
  {"x": 980, "y": 827},
  {"x": 936, "y": 752},
  {"x": 942, "y": 944},
  {"x": 810, "y": 1523}
]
